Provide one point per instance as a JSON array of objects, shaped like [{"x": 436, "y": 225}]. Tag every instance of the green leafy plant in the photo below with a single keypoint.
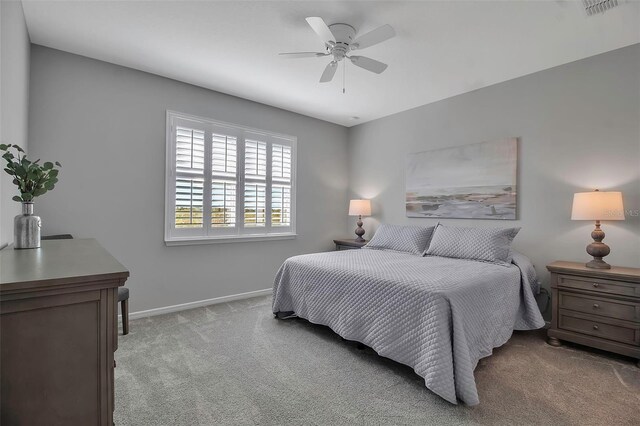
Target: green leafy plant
[{"x": 32, "y": 178}]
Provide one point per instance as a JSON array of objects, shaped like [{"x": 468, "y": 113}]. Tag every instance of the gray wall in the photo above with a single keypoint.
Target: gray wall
[
  {"x": 578, "y": 126},
  {"x": 14, "y": 96},
  {"x": 106, "y": 125},
  {"x": 579, "y": 129}
]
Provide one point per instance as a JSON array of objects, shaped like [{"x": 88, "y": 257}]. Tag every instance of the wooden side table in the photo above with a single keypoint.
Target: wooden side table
[
  {"x": 596, "y": 307},
  {"x": 349, "y": 244}
]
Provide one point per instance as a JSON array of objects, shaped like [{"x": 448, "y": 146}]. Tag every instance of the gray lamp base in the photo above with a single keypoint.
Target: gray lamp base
[
  {"x": 598, "y": 249},
  {"x": 359, "y": 230}
]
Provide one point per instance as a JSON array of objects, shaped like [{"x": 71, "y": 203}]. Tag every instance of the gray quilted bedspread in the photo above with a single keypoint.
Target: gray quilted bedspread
[{"x": 434, "y": 314}]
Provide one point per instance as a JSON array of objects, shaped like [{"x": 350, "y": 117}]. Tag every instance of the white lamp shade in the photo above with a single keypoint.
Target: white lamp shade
[
  {"x": 597, "y": 205},
  {"x": 360, "y": 208}
]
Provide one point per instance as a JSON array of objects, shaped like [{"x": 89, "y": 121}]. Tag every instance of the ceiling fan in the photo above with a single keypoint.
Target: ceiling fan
[{"x": 339, "y": 41}]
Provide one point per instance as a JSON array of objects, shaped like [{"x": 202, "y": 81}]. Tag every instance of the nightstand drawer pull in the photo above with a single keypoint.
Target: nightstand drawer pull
[
  {"x": 595, "y": 285},
  {"x": 596, "y": 306},
  {"x": 595, "y": 327}
]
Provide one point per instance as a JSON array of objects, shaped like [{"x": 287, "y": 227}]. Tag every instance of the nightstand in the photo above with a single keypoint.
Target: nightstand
[
  {"x": 349, "y": 244},
  {"x": 596, "y": 307}
]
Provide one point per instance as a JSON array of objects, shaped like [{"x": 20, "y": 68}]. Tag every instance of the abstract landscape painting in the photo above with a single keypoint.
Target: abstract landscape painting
[{"x": 476, "y": 181}]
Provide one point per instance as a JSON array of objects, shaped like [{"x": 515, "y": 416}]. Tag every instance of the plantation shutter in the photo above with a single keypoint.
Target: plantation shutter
[
  {"x": 255, "y": 188},
  {"x": 281, "y": 186},
  {"x": 225, "y": 181},
  {"x": 189, "y": 178}
]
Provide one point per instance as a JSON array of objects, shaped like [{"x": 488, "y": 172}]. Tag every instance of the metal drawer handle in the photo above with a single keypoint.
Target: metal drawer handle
[
  {"x": 595, "y": 285},
  {"x": 596, "y": 306},
  {"x": 595, "y": 327}
]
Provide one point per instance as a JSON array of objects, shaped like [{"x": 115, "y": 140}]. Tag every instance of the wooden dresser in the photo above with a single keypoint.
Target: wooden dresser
[
  {"x": 596, "y": 307},
  {"x": 58, "y": 325}
]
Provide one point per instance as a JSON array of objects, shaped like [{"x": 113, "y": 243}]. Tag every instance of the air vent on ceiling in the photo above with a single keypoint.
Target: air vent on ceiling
[{"x": 598, "y": 6}]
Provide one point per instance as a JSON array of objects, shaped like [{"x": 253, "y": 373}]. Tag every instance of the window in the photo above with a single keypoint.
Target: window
[{"x": 226, "y": 182}]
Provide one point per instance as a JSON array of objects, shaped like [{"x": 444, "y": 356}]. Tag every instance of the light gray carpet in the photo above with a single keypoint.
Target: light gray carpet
[{"x": 234, "y": 364}]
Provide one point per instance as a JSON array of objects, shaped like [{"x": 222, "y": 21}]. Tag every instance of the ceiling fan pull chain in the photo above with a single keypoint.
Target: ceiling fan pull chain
[{"x": 344, "y": 75}]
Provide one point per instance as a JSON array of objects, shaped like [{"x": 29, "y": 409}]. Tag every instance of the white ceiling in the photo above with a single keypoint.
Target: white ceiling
[{"x": 442, "y": 48}]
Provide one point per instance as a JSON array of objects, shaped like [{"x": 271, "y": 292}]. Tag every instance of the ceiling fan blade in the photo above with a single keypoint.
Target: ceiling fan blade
[
  {"x": 303, "y": 54},
  {"x": 368, "y": 64},
  {"x": 320, "y": 27},
  {"x": 376, "y": 36},
  {"x": 329, "y": 72}
]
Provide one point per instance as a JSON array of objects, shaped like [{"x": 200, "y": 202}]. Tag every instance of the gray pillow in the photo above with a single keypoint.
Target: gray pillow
[
  {"x": 483, "y": 244},
  {"x": 408, "y": 239}
]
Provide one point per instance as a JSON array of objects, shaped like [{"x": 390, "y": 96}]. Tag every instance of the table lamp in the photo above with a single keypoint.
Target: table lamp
[
  {"x": 597, "y": 206},
  {"x": 359, "y": 208}
]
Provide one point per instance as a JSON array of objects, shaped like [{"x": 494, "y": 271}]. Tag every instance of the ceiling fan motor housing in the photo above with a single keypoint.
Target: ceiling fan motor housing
[{"x": 344, "y": 35}]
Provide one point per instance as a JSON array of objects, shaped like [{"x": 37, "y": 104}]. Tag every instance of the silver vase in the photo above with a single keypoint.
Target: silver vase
[{"x": 26, "y": 228}]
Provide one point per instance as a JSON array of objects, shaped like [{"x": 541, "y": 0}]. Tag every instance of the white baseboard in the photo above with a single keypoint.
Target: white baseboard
[{"x": 197, "y": 304}]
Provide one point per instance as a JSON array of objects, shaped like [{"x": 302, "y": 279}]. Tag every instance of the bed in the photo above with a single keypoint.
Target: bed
[{"x": 435, "y": 314}]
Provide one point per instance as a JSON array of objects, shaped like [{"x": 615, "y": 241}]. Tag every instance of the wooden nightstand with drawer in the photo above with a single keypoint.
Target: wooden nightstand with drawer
[{"x": 596, "y": 307}]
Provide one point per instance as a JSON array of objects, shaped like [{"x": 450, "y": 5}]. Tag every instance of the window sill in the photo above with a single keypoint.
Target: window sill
[{"x": 228, "y": 239}]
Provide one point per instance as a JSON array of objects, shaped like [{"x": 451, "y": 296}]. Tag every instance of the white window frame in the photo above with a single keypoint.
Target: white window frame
[{"x": 208, "y": 234}]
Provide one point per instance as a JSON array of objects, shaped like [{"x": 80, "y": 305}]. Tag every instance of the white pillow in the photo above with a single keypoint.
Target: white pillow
[{"x": 407, "y": 239}]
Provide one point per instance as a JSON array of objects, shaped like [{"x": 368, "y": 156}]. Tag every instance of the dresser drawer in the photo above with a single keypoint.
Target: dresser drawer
[
  {"x": 593, "y": 326},
  {"x": 628, "y": 311},
  {"x": 599, "y": 285}
]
